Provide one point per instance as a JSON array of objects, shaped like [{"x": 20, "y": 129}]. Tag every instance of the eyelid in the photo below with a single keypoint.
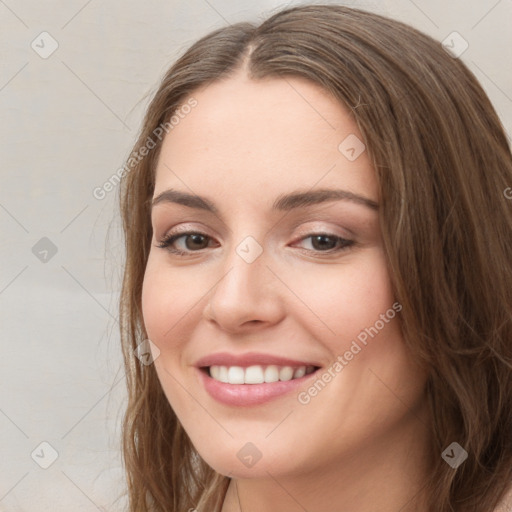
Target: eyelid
[
  {"x": 185, "y": 228},
  {"x": 306, "y": 229}
]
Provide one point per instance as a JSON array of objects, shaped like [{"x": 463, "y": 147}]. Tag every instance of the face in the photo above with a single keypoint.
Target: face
[{"x": 266, "y": 289}]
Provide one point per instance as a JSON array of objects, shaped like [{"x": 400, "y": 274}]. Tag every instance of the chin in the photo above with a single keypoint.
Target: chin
[{"x": 243, "y": 459}]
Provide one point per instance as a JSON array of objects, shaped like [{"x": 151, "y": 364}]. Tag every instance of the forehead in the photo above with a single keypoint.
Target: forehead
[{"x": 259, "y": 138}]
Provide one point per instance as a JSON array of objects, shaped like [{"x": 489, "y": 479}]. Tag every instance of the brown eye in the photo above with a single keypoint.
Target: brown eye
[
  {"x": 326, "y": 242},
  {"x": 323, "y": 242},
  {"x": 194, "y": 242}
]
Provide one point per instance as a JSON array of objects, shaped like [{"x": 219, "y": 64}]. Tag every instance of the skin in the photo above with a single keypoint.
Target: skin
[{"x": 362, "y": 441}]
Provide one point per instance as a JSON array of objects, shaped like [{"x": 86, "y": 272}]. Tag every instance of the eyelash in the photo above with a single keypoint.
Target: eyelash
[{"x": 168, "y": 241}]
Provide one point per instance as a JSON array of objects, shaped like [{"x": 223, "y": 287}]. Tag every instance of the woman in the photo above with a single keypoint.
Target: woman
[{"x": 318, "y": 246}]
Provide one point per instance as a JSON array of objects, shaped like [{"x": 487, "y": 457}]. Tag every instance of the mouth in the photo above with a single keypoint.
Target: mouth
[
  {"x": 257, "y": 374},
  {"x": 252, "y": 379}
]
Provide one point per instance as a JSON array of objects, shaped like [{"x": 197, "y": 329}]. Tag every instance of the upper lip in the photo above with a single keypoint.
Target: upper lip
[{"x": 249, "y": 359}]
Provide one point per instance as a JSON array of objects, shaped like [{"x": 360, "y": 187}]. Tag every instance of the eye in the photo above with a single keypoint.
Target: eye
[
  {"x": 193, "y": 241},
  {"x": 327, "y": 242}
]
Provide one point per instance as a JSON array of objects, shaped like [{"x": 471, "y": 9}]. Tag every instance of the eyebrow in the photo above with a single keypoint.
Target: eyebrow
[{"x": 285, "y": 202}]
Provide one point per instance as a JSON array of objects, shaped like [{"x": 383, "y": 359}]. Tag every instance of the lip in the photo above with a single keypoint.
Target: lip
[
  {"x": 249, "y": 359},
  {"x": 246, "y": 395}
]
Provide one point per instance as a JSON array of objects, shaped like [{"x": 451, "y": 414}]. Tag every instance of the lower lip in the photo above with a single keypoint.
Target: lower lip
[{"x": 242, "y": 395}]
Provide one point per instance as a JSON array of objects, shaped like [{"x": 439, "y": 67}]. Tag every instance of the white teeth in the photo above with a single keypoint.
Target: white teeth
[
  {"x": 223, "y": 373},
  {"x": 271, "y": 373},
  {"x": 299, "y": 372},
  {"x": 257, "y": 374},
  {"x": 254, "y": 375},
  {"x": 286, "y": 373},
  {"x": 236, "y": 375}
]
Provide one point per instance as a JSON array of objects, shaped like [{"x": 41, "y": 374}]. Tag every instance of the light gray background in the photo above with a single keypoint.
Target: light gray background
[{"x": 67, "y": 123}]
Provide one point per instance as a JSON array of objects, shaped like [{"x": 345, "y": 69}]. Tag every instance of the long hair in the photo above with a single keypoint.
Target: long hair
[{"x": 443, "y": 165}]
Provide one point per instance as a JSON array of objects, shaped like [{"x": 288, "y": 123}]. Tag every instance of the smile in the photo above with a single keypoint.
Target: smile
[
  {"x": 257, "y": 374},
  {"x": 242, "y": 380}
]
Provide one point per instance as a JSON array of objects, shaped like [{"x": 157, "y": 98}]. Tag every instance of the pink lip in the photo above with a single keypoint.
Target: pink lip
[
  {"x": 248, "y": 359},
  {"x": 243, "y": 395}
]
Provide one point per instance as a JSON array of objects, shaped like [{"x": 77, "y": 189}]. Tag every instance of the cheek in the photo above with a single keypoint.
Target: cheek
[
  {"x": 349, "y": 298},
  {"x": 167, "y": 298},
  {"x": 155, "y": 303}
]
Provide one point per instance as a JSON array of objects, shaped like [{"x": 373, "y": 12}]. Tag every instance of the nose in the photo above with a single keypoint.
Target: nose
[{"x": 247, "y": 296}]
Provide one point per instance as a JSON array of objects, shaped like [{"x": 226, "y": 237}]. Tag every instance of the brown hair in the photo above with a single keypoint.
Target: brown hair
[{"x": 442, "y": 162}]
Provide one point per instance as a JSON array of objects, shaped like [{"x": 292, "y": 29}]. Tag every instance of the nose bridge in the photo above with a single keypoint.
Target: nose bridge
[
  {"x": 245, "y": 293},
  {"x": 245, "y": 269}
]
